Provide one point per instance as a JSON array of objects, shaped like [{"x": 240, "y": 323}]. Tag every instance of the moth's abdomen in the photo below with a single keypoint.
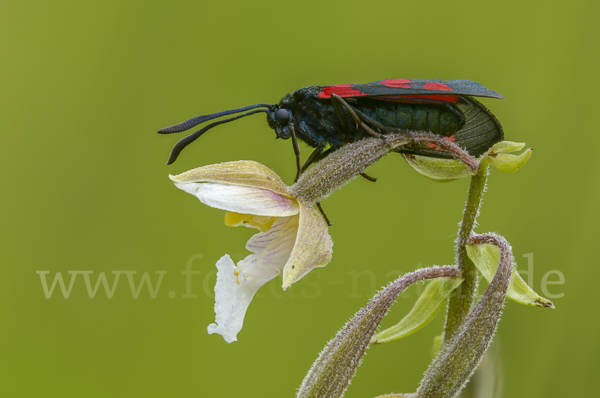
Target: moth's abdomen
[{"x": 437, "y": 119}]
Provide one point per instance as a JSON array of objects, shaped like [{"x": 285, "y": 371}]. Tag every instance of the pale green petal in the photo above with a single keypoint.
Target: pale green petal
[
  {"x": 445, "y": 170},
  {"x": 441, "y": 170},
  {"x": 510, "y": 163},
  {"x": 486, "y": 259},
  {"x": 425, "y": 309},
  {"x": 507, "y": 146},
  {"x": 313, "y": 247}
]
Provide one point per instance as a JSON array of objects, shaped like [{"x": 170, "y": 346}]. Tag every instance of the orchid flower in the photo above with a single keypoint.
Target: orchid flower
[{"x": 293, "y": 237}]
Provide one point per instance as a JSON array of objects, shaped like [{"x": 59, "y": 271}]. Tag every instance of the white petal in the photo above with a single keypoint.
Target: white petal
[
  {"x": 274, "y": 246},
  {"x": 236, "y": 285},
  {"x": 226, "y": 300},
  {"x": 241, "y": 199}
]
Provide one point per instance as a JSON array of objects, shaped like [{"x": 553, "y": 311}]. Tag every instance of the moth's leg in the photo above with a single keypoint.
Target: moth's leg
[
  {"x": 296, "y": 152},
  {"x": 323, "y": 214},
  {"x": 381, "y": 127},
  {"x": 340, "y": 115},
  {"x": 315, "y": 156},
  {"x": 458, "y": 113},
  {"x": 368, "y": 177},
  {"x": 358, "y": 120}
]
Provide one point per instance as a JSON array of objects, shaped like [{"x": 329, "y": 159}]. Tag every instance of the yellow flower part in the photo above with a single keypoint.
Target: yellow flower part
[{"x": 233, "y": 219}]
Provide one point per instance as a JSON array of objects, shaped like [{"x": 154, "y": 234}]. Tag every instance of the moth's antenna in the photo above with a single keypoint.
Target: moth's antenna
[
  {"x": 185, "y": 141},
  {"x": 188, "y": 124}
]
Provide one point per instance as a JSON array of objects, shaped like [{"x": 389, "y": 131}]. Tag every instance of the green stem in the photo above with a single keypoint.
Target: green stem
[{"x": 464, "y": 296}]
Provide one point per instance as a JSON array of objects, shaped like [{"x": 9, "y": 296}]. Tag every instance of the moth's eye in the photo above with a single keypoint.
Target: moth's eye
[{"x": 282, "y": 116}]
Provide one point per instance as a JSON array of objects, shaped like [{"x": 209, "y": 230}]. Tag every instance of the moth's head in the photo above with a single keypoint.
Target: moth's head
[{"x": 279, "y": 119}]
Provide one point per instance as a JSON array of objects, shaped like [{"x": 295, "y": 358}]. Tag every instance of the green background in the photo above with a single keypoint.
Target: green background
[{"x": 85, "y": 86}]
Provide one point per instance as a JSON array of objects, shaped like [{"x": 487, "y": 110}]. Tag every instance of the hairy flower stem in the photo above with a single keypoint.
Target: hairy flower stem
[
  {"x": 332, "y": 371},
  {"x": 343, "y": 165},
  {"x": 463, "y": 297},
  {"x": 461, "y": 354}
]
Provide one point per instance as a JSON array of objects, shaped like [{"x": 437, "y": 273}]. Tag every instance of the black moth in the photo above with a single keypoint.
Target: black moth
[{"x": 332, "y": 116}]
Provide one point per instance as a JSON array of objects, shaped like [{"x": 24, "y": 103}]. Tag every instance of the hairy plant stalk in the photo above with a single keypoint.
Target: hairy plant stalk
[
  {"x": 346, "y": 163},
  {"x": 336, "y": 365},
  {"x": 462, "y": 299},
  {"x": 461, "y": 354}
]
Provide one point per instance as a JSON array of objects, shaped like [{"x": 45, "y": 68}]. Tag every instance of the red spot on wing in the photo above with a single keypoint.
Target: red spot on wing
[
  {"x": 436, "y": 86},
  {"x": 404, "y": 83},
  {"x": 451, "y": 138},
  {"x": 432, "y": 146},
  {"x": 416, "y": 98},
  {"x": 343, "y": 90}
]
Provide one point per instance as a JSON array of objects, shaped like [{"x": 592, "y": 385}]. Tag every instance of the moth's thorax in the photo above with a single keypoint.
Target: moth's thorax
[{"x": 314, "y": 118}]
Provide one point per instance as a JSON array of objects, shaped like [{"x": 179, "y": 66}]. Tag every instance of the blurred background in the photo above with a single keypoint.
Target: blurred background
[{"x": 85, "y": 87}]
